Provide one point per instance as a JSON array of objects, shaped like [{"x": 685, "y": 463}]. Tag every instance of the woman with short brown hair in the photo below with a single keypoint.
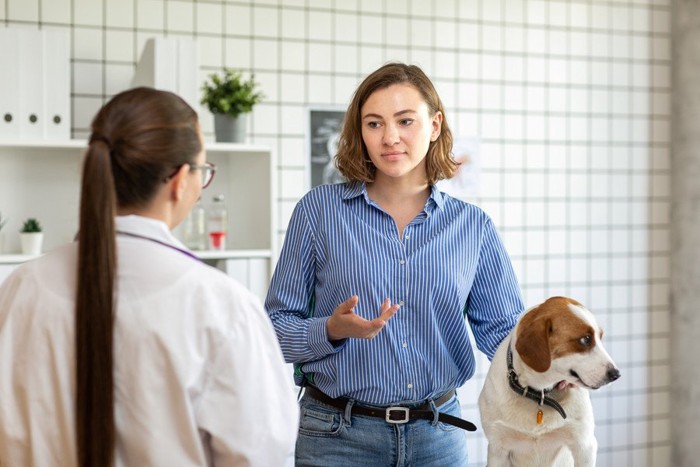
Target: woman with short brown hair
[{"x": 375, "y": 280}]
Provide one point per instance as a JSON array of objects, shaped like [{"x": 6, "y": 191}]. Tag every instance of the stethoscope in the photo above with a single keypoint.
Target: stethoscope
[{"x": 167, "y": 245}]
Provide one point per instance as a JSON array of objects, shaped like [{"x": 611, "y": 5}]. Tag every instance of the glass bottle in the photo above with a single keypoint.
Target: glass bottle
[
  {"x": 218, "y": 223},
  {"x": 195, "y": 228}
]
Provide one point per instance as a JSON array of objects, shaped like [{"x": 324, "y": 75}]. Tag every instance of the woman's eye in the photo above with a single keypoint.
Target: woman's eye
[
  {"x": 373, "y": 124},
  {"x": 406, "y": 121},
  {"x": 586, "y": 341}
]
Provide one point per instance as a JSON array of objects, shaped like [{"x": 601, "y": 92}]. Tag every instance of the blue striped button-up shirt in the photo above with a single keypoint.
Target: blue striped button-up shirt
[{"x": 448, "y": 263}]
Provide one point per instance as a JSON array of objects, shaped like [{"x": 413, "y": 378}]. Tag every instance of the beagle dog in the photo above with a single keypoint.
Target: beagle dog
[{"x": 535, "y": 401}]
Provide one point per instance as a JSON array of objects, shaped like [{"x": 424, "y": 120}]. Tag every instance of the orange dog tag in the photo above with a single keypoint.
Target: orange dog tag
[{"x": 539, "y": 416}]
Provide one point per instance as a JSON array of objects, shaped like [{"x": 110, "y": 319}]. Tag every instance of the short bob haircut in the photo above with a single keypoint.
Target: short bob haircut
[{"x": 352, "y": 159}]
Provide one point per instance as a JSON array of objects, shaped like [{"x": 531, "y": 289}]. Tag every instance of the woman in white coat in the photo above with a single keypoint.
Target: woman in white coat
[{"x": 122, "y": 348}]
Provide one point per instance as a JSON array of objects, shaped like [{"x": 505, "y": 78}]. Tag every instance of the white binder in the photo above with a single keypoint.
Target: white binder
[
  {"x": 9, "y": 84},
  {"x": 31, "y": 88},
  {"x": 34, "y": 84},
  {"x": 170, "y": 64},
  {"x": 57, "y": 115},
  {"x": 188, "y": 72}
]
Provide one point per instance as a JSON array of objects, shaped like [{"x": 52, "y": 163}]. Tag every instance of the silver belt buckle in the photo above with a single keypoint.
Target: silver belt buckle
[{"x": 403, "y": 410}]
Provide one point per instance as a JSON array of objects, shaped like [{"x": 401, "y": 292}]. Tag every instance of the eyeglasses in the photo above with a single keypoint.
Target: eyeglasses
[{"x": 208, "y": 170}]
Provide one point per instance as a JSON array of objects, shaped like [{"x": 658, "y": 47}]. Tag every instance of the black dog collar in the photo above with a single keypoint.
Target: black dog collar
[{"x": 538, "y": 396}]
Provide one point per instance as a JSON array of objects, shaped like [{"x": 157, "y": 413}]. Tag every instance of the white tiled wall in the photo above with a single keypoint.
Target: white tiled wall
[{"x": 571, "y": 100}]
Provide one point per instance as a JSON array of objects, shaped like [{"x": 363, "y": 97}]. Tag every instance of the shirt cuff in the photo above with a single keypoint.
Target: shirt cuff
[{"x": 318, "y": 338}]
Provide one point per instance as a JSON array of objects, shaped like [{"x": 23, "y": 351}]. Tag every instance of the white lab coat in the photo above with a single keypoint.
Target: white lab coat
[{"x": 199, "y": 376}]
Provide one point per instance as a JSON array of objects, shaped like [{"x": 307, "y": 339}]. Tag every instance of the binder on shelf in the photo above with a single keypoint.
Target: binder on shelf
[
  {"x": 31, "y": 91},
  {"x": 188, "y": 72},
  {"x": 57, "y": 115},
  {"x": 9, "y": 83},
  {"x": 34, "y": 84},
  {"x": 170, "y": 64}
]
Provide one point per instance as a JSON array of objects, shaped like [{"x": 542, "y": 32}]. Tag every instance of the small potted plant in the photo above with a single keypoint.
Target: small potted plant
[
  {"x": 31, "y": 237},
  {"x": 229, "y": 97}
]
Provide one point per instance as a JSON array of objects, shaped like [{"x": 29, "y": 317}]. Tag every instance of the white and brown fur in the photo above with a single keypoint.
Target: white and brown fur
[{"x": 555, "y": 345}]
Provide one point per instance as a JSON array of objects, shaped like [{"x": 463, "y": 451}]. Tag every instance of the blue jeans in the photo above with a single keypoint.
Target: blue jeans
[{"x": 329, "y": 437}]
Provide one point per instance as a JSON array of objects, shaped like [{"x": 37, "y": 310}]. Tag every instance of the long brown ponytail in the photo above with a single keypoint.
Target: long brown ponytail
[
  {"x": 137, "y": 139},
  {"x": 95, "y": 310}
]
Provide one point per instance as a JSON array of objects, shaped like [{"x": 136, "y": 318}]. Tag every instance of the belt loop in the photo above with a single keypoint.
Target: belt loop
[
  {"x": 348, "y": 412},
  {"x": 436, "y": 413}
]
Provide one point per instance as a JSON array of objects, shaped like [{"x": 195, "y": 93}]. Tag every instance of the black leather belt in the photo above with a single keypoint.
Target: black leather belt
[{"x": 397, "y": 413}]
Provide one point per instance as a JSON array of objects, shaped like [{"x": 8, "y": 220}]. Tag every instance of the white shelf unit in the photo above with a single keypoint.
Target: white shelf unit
[{"x": 41, "y": 179}]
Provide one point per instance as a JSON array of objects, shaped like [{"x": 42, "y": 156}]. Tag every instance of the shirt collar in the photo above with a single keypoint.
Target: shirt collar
[
  {"x": 149, "y": 228},
  {"x": 354, "y": 189},
  {"x": 437, "y": 197}
]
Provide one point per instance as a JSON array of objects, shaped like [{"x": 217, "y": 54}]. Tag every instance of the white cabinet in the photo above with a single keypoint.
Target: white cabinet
[{"x": 42, "y": 180}]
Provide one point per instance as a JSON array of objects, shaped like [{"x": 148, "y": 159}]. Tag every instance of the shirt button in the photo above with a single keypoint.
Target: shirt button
[
  {"x": 405, "y": 344},
  {"x": 401, "y": 303},
  {"x": 402, "y": 262},
  {"x": 407, "y": 237},
  {"x": 410, "y": 386}
]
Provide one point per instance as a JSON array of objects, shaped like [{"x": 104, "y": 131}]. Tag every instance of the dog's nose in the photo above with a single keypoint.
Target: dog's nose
[{"x": 613, "y": 374}]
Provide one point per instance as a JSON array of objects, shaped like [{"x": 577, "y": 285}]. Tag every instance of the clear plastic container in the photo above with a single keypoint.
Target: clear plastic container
[
  {"x": 194, "y": 231},
  {"x": 218, "y": 223}
]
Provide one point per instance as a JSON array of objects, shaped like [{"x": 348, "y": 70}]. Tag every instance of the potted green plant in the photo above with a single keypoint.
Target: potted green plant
[
  {"x": 229, "y": 97},
  {"x": 31, "y": 237}
]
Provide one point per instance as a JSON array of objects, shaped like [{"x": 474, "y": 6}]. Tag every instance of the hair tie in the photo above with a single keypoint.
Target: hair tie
[{"x": 104, "y": 139}]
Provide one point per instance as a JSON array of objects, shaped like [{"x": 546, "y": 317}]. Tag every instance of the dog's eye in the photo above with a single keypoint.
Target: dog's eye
[{"x": 586, "y": 340}]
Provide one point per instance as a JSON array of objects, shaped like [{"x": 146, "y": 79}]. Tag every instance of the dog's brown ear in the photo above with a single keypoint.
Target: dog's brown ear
[{"x": 532, "y": 341}]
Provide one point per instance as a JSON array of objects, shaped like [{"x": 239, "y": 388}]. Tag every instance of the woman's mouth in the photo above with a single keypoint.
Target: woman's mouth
[{"x": 392, "y": 154}]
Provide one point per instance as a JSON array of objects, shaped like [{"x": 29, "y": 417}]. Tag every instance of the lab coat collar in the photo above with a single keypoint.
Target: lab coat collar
[{"x": 149, "y": 228}]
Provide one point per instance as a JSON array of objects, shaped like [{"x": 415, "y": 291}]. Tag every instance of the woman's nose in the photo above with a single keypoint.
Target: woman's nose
[{"x": 391, "y": 135}]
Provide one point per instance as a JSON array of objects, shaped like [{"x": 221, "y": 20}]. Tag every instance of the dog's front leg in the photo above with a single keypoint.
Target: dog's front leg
[
  {"x": 498, "y": 456},
  {"x": 584, "y": 452}
]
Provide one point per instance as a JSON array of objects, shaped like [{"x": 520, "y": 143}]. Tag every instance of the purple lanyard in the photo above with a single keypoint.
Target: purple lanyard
[{"x": 173, "y": 247}]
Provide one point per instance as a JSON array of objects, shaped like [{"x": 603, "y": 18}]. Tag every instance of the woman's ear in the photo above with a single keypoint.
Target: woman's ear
[
  {"x": 437, "y": 126},
  {"x": 178, "y": 183}
]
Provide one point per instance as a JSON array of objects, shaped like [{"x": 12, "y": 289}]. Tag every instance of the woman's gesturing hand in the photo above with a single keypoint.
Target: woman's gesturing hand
[{"x": 344, "y": 323}]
